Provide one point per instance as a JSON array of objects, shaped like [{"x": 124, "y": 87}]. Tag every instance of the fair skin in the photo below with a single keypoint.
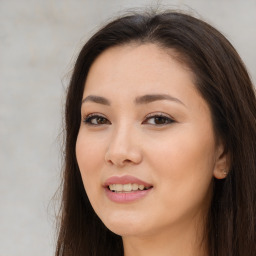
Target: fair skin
[{"x": 166, "y": 141}]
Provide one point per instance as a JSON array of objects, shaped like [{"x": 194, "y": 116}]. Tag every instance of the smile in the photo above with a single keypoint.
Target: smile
[
  {"x": 125, "y": 189},
  {"x": 120, "y": 188}
]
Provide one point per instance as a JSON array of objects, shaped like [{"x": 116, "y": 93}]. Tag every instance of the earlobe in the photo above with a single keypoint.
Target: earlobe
[
  {"x": 220, "y": 173},
  {"x": 222, "y": 164}
]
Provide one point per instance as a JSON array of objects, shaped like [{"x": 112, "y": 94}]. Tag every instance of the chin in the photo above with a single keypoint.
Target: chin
[
  {"x": 124, "y": 226},
  {"x": 126, "y": 230}
]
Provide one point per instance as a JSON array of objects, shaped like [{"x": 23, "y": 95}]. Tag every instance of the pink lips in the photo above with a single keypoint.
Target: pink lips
[
  {"x": 125, "y": 180},
  {"x": 125, "y": 197}
]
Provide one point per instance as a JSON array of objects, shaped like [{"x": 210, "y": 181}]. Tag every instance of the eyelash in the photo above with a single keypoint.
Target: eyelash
[
  {"x": 166, "y": 119},
  {"x": 88, "y": 119}
]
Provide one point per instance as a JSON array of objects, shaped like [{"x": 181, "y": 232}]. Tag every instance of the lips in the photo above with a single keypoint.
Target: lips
[
  {"x": 125, "y": 180},
  {"x": 115, "y": 188}
]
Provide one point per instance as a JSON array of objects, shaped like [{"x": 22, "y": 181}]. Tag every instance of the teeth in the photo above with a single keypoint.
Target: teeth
[
  {"x": 135, "y": 186},
  {"x": 118, "y": 187},
  {"x": 126, "y": 187},
  {"x": 141, "y": 187},
  {"x": 112, "y": 187}
]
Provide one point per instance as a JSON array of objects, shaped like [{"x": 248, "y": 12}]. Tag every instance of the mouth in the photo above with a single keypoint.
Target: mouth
[{"x": 127, "y": 188}]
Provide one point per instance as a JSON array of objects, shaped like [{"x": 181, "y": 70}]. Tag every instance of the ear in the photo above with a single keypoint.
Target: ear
[{"x": 222, "y": 163}]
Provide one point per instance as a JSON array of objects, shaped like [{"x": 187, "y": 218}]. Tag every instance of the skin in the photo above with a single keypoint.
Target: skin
[{"x": 179, "y": 158}]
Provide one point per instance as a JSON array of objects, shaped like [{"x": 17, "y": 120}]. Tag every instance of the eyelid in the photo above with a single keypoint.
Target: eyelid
[
  {"x": 87, "y": 117},
  {"x": 159, "y": 114},
  {"x": 93, "y": 115},
  {"x": 153, "y": 114}
]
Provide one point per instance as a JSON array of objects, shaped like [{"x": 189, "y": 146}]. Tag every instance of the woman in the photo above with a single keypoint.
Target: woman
[{"x": 160, "y": 152}]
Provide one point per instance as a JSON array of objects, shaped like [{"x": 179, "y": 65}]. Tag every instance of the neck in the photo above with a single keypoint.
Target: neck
[{"x": 185, "y": 240}]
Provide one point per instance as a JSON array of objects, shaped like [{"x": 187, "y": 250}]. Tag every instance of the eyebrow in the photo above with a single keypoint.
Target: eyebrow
[
  {"x": 145, "y": 99},
  {"x": 96, "y": 99},
  {"x": 155, "y": 97}
]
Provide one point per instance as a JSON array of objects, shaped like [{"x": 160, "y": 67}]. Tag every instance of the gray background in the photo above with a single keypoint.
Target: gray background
[{"x": 38, "y": 44}]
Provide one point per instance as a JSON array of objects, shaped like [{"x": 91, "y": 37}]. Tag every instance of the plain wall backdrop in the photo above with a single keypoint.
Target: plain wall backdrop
[{"x": 39, "y": 40}]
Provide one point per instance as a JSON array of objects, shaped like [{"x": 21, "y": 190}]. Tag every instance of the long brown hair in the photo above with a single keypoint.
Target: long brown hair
[{"x": 222, "y": 80}]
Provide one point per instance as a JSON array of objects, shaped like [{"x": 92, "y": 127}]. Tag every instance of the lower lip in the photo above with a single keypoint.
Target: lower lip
[{"x": 126, "y": 197}]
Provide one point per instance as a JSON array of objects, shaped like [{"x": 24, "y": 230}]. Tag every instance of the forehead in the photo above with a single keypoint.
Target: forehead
[{"x": 145, "y": 67}]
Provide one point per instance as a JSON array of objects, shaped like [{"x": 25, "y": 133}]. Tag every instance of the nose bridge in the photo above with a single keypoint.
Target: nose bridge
[{"x": 123, "y": 146}]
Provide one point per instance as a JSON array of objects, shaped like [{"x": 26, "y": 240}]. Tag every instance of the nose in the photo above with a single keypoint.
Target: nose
[{"x": 124, "y": 148}]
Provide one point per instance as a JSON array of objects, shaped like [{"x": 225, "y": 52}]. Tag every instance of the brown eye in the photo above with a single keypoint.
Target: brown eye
[
  {"x": 158, "y": 120},
  {"x": 96, "y": 120},
  {"x": 100, "y": 120}
]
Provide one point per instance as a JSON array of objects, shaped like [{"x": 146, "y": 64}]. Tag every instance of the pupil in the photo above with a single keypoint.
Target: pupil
[
  {"x": 100, "y": 120},
  {"x": 160, "y": 120}
]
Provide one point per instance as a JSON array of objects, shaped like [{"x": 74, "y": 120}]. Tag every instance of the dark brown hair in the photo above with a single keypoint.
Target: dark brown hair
[{"x": 222, "y": 80}]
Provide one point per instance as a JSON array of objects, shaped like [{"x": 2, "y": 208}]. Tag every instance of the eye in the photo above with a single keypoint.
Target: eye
[
  {"x": 158, "y": 119},
  {"x": 93, "y": 119}
]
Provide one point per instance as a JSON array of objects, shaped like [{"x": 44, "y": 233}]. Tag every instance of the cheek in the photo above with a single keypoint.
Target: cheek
[
  {"x": 188, "y": 151},
  {"x": 89, "y": 154},
  {"x": 183, "y": 165}
]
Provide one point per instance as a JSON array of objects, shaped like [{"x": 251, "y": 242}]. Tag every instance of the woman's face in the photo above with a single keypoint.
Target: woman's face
[{"x": 146, "y": 147}]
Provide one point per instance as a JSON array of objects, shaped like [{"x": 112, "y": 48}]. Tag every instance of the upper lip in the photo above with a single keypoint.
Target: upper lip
[{"x": 125, "y": 180}]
